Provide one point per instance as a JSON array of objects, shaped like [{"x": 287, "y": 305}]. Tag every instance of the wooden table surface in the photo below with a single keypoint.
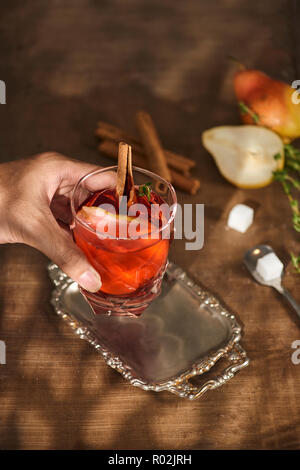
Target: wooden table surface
[{"x": 68, "y": 64}]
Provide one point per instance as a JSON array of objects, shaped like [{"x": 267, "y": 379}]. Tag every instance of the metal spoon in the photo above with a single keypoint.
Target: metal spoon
[{"x": 250, "y": 260}]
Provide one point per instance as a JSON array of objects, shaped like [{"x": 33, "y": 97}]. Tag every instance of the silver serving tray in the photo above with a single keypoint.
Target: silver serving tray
[{"x": 183, "y": 333}]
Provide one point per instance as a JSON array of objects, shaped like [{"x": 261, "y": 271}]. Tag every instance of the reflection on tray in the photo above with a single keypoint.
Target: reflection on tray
[{"x": 183, "y": 333}]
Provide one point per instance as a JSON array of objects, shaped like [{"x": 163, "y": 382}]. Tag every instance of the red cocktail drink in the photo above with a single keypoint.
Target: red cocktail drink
[{"x": 128, "y": 248}]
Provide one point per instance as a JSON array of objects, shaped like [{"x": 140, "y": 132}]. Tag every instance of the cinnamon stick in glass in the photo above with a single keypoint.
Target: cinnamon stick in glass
[
  {"x": 183, "y": 182},
  {"x": 125, "y": 184}
]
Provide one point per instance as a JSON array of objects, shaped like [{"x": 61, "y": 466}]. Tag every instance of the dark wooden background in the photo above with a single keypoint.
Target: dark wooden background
[{"x": 66, "y": 65}]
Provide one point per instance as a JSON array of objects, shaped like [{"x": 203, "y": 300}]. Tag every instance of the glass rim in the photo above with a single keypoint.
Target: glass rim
[{"x": 134, "y": 168}]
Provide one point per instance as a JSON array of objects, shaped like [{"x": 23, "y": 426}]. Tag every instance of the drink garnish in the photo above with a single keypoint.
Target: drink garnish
[
  {"x": 125, "y": 183},
  {"x": 145, "y": 190}
]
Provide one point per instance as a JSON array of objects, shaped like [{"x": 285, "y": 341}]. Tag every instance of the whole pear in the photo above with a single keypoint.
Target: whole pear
[{"x": 269, "y": 103}]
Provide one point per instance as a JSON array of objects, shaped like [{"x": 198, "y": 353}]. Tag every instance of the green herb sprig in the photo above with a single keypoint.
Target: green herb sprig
[
  {"x": 246, "y": 110},
  {"x": 289, "y": 177},
  {"x": 145, "y": 190},
  {"x": 296, "y": 262}
]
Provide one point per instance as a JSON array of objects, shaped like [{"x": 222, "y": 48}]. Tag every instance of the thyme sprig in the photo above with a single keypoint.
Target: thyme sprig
[
  {"x": 290, "y": 181},
  {"x": 145, "y": 190},
  {"x": 296, "y": 262},
  {"x": 289, "y": 177}
]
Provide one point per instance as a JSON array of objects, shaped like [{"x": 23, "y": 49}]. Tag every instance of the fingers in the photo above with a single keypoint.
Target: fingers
[
  {"x": 57, "y": 243},
  {"x": 74, "y": 263},
  {"x": 105, "y": 180},
  {"x": 63, "y": 173},
  {"x": 72, "y": 170}
]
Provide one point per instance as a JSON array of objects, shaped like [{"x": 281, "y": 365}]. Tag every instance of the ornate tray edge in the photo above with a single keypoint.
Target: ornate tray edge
[{"x": 180, "y": 385}]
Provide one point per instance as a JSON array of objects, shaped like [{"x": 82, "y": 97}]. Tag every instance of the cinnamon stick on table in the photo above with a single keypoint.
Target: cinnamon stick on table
[
  {"x": 152, "y": 145},
  {"x": 188, "y": 184},
  {"x": 174, "y": 160}
]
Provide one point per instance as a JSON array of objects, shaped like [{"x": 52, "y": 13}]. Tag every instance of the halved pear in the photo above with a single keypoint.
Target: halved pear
[
  {"x": 93, "y": 215},
  {"x": 245, "y": 154},
  {"x": 103, "y": 221},
  {"x": 112, "y": 225}
]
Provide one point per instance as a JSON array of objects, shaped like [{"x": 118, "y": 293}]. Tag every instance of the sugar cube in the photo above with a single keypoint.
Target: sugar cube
[
  {"x": 269, "y": 267},
  {"x": 240, "y": 217}
]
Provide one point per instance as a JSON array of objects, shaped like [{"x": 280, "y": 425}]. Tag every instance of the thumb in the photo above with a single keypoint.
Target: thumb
[{"x": 59, "y": 246}]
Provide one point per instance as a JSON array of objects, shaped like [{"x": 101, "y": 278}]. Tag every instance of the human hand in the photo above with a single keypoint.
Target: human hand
[{"x": 35, "y": 210}]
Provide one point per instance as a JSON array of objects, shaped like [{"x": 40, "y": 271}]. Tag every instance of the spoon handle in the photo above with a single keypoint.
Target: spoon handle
[{"x": 291, "y": 300}]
